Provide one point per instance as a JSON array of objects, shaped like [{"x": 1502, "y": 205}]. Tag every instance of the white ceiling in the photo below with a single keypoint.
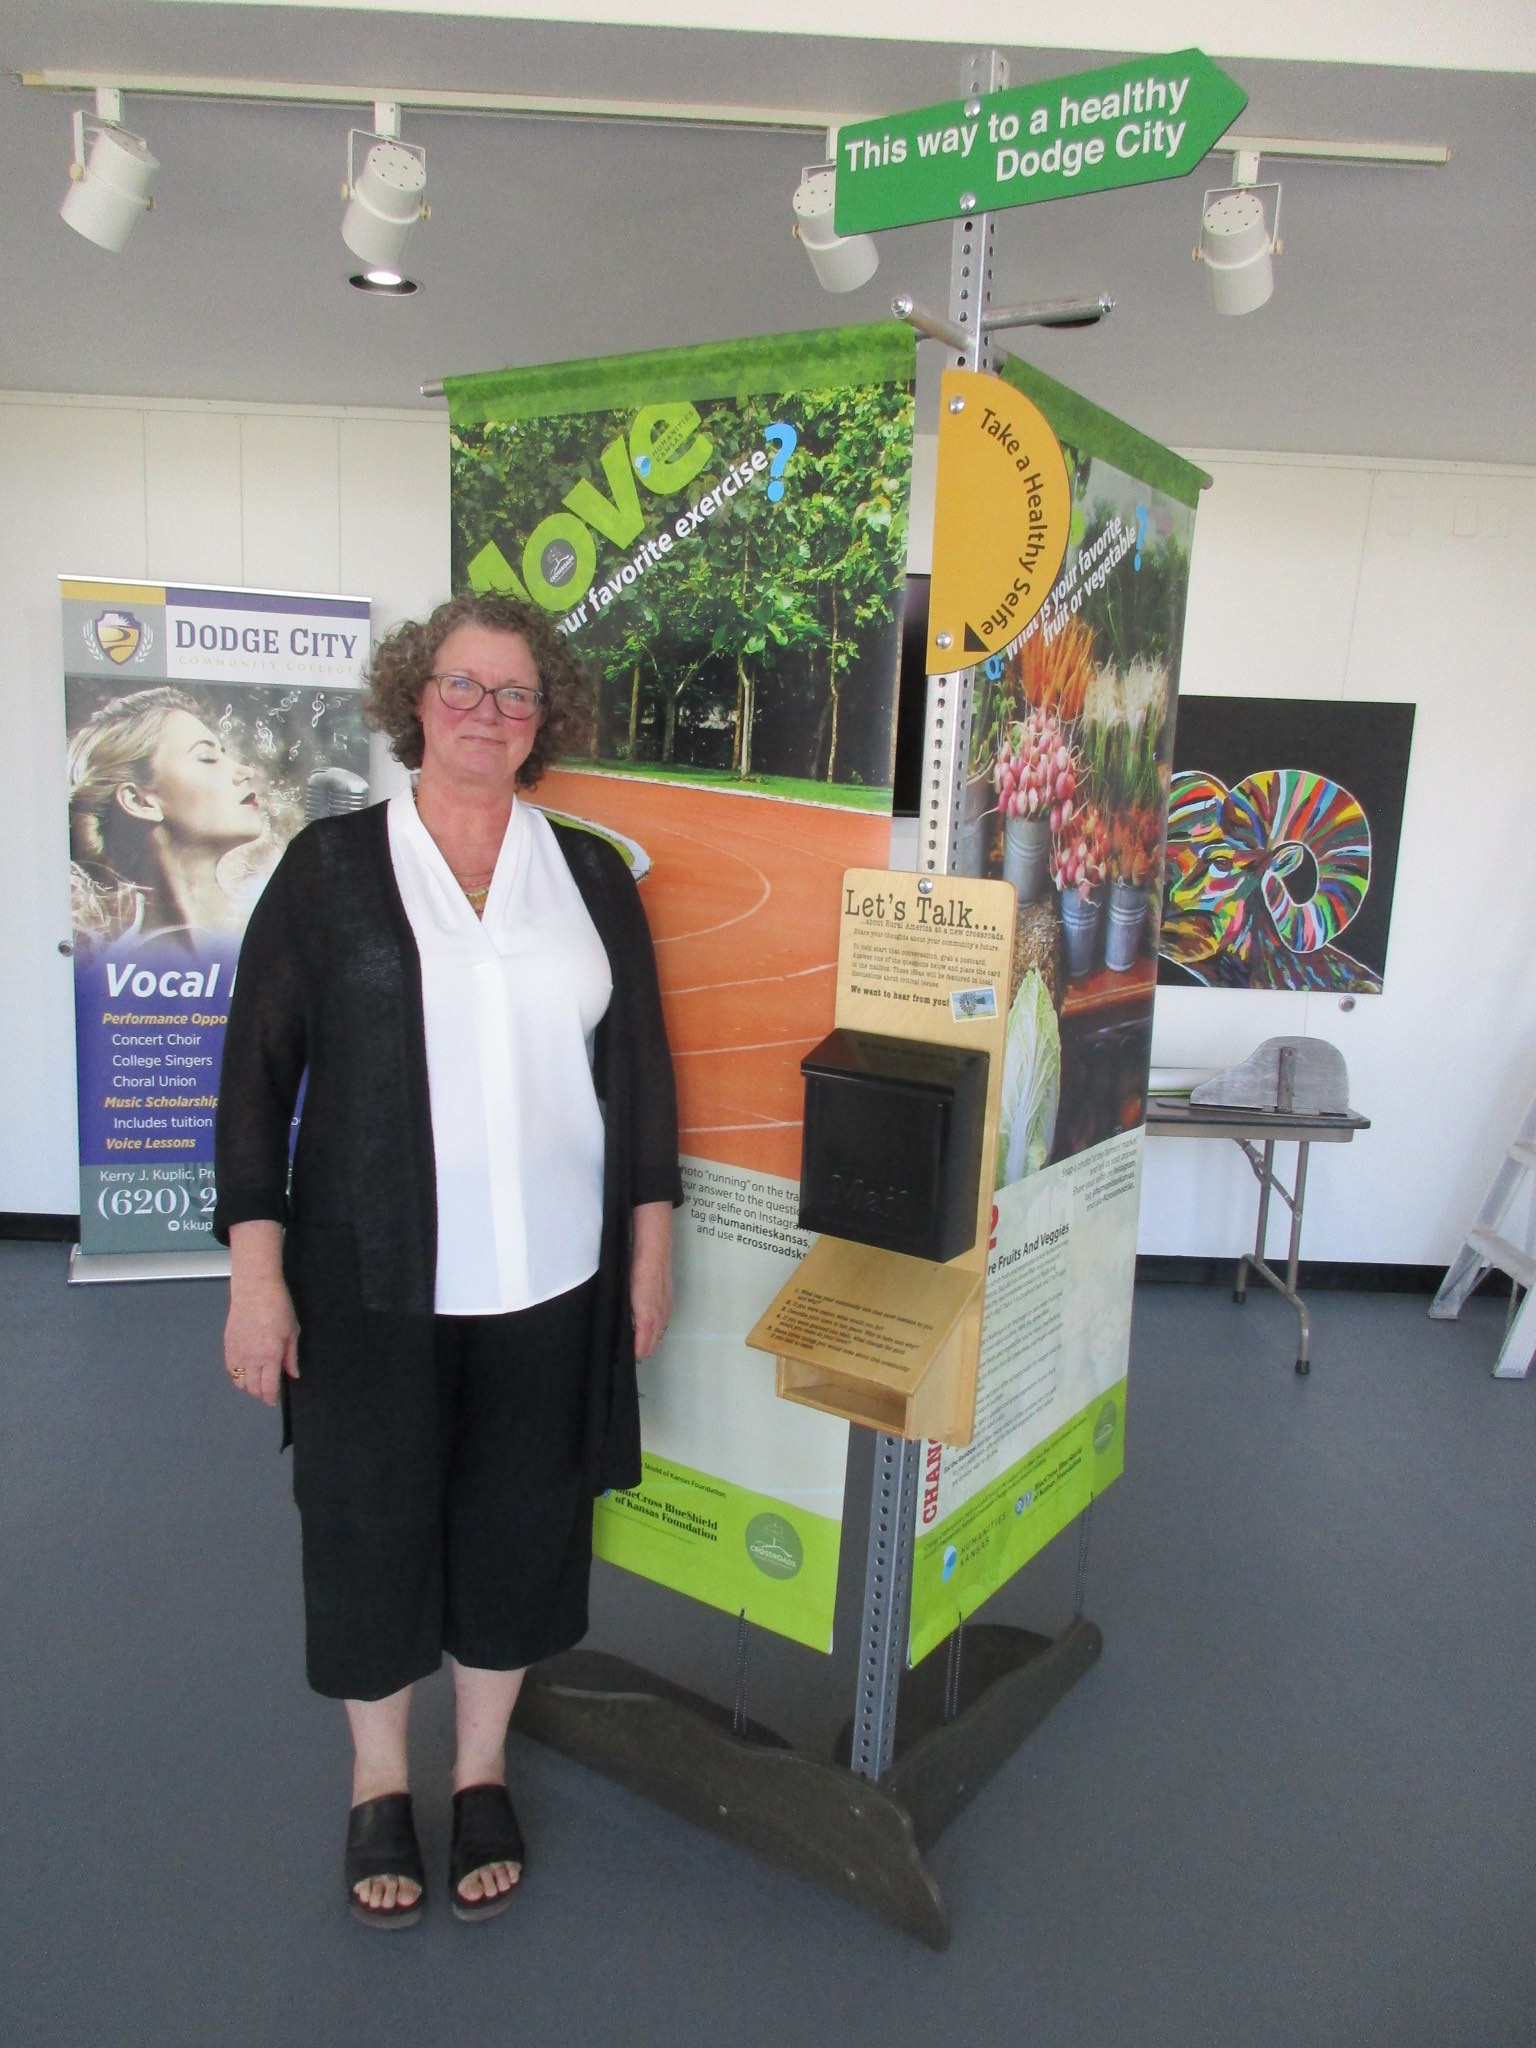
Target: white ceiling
[
  {"x": 1403, "y": 322},
  {"x": 1493, "y": 35}
]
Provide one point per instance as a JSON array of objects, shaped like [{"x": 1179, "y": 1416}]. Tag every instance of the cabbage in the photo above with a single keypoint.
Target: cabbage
[{"x": 1031, "y": 1082}]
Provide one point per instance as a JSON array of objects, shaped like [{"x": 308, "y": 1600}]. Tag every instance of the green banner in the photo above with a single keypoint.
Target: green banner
[
  {"x": 960, "y": 1564},
  {"x": 747, "y": 1553},
  {"x": 818, "y": 360},
  {"x": 1079, "y": 423},
  {"x": 1065, "y": 795},
  {"x": 720, "y": 534},
  {"x": 1123, "y": 124}
]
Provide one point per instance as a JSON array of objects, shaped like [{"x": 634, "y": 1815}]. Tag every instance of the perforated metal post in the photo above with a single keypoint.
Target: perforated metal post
[
  {"x": 893, "y": 1507},
  {"x": 887, "y": 1600},
  {"x": 970, "y": 260},
  {"x": 948, "y": 730},
  {"x": 946, "y": 743}
]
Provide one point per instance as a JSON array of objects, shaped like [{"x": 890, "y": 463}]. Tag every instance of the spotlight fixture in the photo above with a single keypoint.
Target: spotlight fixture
[
  {"x": 841, "y": 262},
  {"x": 112, "y": 188},
  {"x": 1237, "y": 241},
  {"x": 388, "y": 282},
  {"x": 385, "y": 199}
]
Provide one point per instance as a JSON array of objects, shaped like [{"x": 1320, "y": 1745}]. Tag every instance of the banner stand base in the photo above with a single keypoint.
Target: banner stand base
[
  {"x": 208, "y": 1262},
  {"x": 861, "y": 1840},
  {"x": 1010, "y": 1679}
]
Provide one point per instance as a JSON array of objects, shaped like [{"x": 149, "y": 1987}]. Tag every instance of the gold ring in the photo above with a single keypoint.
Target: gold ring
[{"x": 237, "y": 1374}]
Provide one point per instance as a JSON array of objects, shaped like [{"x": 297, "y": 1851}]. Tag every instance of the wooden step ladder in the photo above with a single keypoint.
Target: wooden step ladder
[{"x": 1495, "y": 1240}]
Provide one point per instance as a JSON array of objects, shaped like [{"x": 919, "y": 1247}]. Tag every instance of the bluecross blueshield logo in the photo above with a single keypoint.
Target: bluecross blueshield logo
[
  {"x": 951, "y": 1559},
  {"x": 118, "y": 637},
  {"x": 774, "y": 1546}
]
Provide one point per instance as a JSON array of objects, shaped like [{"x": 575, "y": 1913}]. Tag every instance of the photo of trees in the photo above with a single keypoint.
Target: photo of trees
[{"x": 761, "y": 650}]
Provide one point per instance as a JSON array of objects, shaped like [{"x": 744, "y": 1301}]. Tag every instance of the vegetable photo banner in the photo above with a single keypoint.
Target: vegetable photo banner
[
  {"x": 1066, "y": 796},
  {"x": 721, "y": 535},
  {"x": 205, "y": 728}
]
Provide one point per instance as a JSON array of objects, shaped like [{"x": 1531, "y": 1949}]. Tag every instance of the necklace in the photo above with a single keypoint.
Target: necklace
[{"x": 477, "y": 884}]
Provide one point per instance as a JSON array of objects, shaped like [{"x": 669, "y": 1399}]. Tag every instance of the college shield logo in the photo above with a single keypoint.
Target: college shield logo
[{"x": 117, "y": 637}]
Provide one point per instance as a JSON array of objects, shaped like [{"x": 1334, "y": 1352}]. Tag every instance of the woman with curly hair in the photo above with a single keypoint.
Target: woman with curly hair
[
  {"x": 155, "y": 803},
  {"x": 450, "y": 1296}
]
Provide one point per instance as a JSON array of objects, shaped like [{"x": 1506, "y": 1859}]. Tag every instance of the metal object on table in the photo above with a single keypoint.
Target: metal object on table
[
  {"x": 1282, "y": 1073},
  {"x": 1256, "y": 1132}
]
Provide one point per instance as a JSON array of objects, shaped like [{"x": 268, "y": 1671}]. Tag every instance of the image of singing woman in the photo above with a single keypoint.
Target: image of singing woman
[{"x": 157, "y": 802}]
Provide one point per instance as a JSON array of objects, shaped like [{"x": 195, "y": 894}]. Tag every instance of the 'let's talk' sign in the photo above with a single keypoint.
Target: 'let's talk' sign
[{"x": 1126, "y": 124}]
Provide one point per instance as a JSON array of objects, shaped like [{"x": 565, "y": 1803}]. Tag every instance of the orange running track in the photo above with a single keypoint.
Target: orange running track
[{"x": 742, "y": 899}]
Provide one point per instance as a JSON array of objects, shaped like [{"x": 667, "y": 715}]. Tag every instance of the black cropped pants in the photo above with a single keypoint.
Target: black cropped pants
[{"x": 440, "y": 1494}]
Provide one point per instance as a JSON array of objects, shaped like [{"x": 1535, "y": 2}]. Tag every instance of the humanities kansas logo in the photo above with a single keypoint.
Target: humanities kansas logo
[{"x": 118, "y": 637}]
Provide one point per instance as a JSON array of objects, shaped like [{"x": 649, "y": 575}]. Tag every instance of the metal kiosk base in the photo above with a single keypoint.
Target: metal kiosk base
[{"x": 957, "y": 1724}]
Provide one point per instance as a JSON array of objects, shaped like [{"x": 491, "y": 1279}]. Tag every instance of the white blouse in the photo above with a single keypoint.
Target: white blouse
[{"x": 511, "y": 1001}]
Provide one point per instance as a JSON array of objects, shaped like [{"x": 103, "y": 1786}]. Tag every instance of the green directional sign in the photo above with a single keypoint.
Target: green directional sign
[{"x": 1127, "y": 124}]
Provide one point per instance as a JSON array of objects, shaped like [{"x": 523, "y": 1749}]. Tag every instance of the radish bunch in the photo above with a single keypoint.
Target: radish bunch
[
  {"x": 1081, "y": 857},
  {"x": 1036, "y": 771}
]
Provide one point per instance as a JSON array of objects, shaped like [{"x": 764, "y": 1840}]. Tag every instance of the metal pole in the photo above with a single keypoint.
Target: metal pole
[
  {"x": 739, "y": 1707},
  {"x": 893, "y": 1506},
  {"x": 1266, "y": 1185},
  {"x": 1297, "y": 1204},
  {"x": 887, "y": 1602},
  {"x": 970, "y": 261}
]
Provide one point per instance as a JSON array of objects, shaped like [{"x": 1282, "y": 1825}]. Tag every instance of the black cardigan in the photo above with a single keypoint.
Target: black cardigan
[{"x": 328, "y": 992}]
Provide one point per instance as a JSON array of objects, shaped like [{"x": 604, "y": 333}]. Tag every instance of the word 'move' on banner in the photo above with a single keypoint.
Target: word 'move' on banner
[{"x": 1095, "y": 131}]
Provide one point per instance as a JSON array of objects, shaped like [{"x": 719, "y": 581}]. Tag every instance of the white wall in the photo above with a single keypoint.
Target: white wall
[
  {"x": 305, "y": 499},
  {"x": 1321, "y": 578}
]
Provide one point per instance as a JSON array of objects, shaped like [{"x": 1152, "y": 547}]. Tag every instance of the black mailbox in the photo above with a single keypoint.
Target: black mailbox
[{"x": 891, "y": 1153}]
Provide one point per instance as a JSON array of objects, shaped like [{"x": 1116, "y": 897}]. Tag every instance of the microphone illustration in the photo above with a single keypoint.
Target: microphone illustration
[{"x": 332, "y": 793}]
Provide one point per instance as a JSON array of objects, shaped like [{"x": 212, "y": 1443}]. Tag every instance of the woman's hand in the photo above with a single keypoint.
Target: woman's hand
[
  {"x": 261, "y": 1335},
  {"x": 650, "y": 1274}
]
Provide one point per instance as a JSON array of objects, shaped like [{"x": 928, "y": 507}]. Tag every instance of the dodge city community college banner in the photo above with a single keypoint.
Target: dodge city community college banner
[
  {"x": 1066, "y": 797},
  {"x": 721, "y": 533},
  {"x": 205, "y": 728}
]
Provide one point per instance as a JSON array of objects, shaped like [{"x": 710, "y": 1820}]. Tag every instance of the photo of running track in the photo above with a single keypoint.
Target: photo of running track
[{"x": 742, "y": 898}]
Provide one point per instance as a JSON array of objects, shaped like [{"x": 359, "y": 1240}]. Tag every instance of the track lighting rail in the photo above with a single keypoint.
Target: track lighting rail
[
  {"x": 678, "y": 113},
  {"x": 430, "y": 99}
]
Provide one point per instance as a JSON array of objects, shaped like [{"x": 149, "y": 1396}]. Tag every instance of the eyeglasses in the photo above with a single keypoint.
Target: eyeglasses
[{"x": 463, "y": 693}]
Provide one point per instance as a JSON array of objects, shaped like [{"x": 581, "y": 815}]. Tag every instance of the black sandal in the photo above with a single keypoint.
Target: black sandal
[
  {"x": 381, "y": 1842},
  {"x": 485, "y": 1830}
]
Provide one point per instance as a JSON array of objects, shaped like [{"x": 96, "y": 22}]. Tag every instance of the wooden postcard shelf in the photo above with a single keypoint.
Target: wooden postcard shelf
[{"x": 890, "y": 1341}]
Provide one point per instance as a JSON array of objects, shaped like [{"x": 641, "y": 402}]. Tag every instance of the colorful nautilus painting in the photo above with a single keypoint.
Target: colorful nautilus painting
[{"x": 1284, "y": 816}]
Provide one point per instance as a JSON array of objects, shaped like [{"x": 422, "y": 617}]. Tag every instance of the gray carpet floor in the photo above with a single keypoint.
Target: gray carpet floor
[{"x": 1294, "y": 1803}]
